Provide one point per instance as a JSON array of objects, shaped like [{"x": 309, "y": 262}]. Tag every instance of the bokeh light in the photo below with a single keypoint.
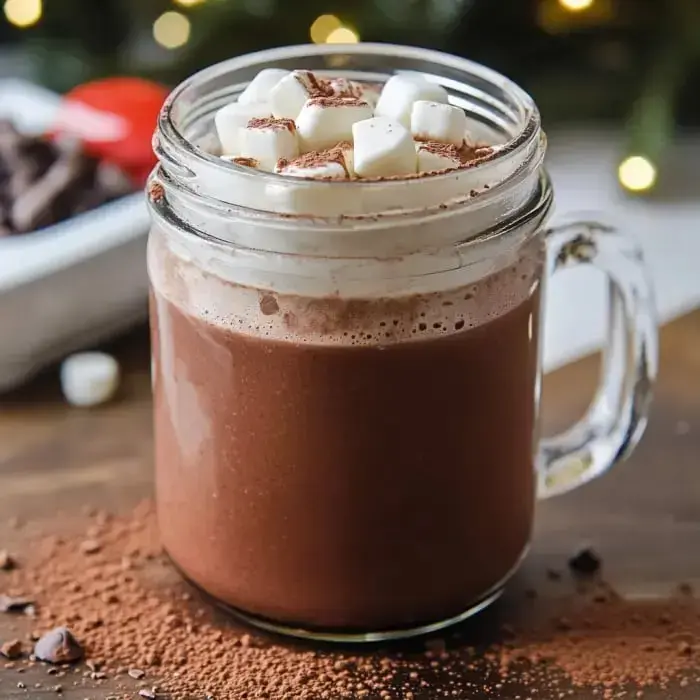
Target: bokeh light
[
  {"x": 576, "y": 5},
  {"x": 342, "y": 35},
  {"x": 23, "y": 13},
  {"x": 172, "y": 30},
  {"x": 322, "y": 28},
  {"x": 637, "y": 174},
  {"x": 188, "y": 3}
]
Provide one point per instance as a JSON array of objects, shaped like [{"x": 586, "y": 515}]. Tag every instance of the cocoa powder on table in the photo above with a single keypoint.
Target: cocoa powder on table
[{"x": 142, "y": 627}]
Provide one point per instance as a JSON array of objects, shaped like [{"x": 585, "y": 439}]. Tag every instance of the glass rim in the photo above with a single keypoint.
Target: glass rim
[{"x": 514, "y": 146}]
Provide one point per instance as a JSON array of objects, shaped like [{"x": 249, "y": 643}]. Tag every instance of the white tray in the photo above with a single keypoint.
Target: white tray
[{"x": 73, "y": 284}]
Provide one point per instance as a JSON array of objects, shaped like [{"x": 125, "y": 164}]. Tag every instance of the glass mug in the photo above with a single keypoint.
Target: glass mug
[{"x": 347, "y": 374}]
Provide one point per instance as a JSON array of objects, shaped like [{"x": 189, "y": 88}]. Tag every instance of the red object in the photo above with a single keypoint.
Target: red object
[{"x": 115, "y": 119}]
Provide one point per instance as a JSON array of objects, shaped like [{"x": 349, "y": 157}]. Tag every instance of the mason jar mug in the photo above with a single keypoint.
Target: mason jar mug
[{"x": 347, "y": 373}]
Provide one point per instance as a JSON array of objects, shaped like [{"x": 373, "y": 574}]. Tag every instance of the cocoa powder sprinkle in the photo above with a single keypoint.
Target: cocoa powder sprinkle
[
  {"x": 272, "y": 123},
  {"x": 162, "y": 631}
]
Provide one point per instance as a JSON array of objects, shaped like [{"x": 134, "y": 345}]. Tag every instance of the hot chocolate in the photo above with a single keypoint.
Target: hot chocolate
[
  {"x": 359, "y": 464},
  {"x": 347, "y": 270}
]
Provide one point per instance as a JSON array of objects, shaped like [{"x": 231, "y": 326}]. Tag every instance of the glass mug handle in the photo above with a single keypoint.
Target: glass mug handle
[{"x": 617, "y": 416}]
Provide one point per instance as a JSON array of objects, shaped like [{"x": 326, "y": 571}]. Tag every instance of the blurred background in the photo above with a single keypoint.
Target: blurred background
[
  {"x": 617, "y": 82},
  {"x": 632, "y": 62}
]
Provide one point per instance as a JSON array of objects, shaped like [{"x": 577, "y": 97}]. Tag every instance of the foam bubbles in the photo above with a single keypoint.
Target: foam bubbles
[{"x": 453, "y": 304}]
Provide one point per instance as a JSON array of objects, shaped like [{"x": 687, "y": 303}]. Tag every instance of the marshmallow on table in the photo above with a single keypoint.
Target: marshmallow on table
[
  {"x": 268, "y": 140},
  {"x": 325, "y": 121},
  {"x": 434, "y": 121},
  {"x": 289, "y": 95},
  {"x": 230, "y": 119},
  {"x": 89, "y": 378},
  {"x": 383, "y": 148},
  {"x": 433, "y": 155},
  {"x": 401, "y": 91},
  {"x": 324, "y": 165},
  {"x": 258, "y": 89}
]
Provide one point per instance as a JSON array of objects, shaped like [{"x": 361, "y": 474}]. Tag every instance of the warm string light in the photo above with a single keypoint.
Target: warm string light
[
  {"x": 322, "y": 27},
  {"x": 172, "y": 30},
  {"x": 637, "y": 174},
  {"x": 342, "y": 35},
  {"x": 23, "y": 13},
  {"x": 576, "y": 5},
  {"x": 328, "y": 29}
]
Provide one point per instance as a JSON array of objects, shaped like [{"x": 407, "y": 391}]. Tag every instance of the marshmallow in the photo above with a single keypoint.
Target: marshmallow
[
  {"x": 258, "y": 89},
  {"x": 350, "y": 88},
  {"x": 433, "y": 121},
  {"x": 325, "y": 165},
  {"x": 383, "y": 148},
  {"x": 437, "y": 156},
  {"x": 324, "y": 121},
  {"x": 401, "y": 91},
  {"x": 89, "y": 378},
  {"x": 232, "y": 117},
  {"x": 268, "y": 140},
  {"x": 289, "y": 95}
]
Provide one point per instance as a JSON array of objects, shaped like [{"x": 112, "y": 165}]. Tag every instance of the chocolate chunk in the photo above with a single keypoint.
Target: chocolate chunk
[
  {"x": 58, "y": 646},
  {"x": 585, "y": 562},
  {"x": 43, "y": 182},
  {"x": 10, "y": 604},
  {"x": 11, "y": 650},
  {"x": 7, "y": 561}
]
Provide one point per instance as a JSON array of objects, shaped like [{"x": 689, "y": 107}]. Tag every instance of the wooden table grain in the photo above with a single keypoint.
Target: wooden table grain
[{"x": 644, "y": 516}]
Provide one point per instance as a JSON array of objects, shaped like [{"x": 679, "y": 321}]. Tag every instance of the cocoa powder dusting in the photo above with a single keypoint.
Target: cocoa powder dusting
[
  {"x": 138, "y": 623},
  {"x": 337, "y": 101},
  {"x": 272, "y": 123}
]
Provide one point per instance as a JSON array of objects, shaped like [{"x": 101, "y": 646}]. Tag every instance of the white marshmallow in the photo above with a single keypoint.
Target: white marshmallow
[
  {"x": 437, "y": 156},
  {"x": 328, "y": 170},
  {"x": 325, "y": 121},
  {"x": 289, "y": 95},
  {"x": 383, "y": 148},
  {"x": 232, "y": 117},
  {"x": 401, "y": 91},
  {"x": 89, "y": 378},
  {"x": 268, "y": 140},
  {"x": 351, "y": 88},
  {"x": 433, "y": 121},
  {"x": 258, "y": 89},
  {"x": 329, "y": 164}
]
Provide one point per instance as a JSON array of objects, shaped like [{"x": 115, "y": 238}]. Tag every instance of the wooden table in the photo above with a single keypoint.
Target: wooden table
[{"x": 644, "y": 517}]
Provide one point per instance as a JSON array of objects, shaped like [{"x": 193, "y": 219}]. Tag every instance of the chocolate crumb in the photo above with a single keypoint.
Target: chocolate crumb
[
  {"x": 11, "y": 650},
  {"x": 10, "y": 604},
  {"x": 136, "y": 673},
  {"x": 585, "y": 562},
  {"x": 7, "y": 561},
  {"x": 58, "y": 646}
]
